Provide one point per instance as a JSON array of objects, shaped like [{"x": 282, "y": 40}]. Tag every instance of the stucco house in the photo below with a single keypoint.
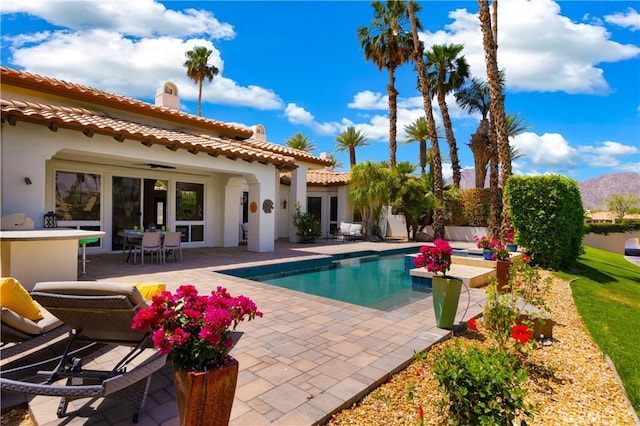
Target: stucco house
[{"x": 102, "y": 161}]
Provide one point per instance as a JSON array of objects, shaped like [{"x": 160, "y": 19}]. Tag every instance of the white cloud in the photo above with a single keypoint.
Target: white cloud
[
  {"x": 607, "y": 154},
  {"x": 126, "y": 30},
  {"x": 370, "y": 101},
  {"x": 630, "y": 19},
  {"x": 139, "y": 18},
  {"x": 566, "y": 50},
  {"x": 552, "y": 153},
  {"x": 547, "y": 150},
  {"x": 298, "y": 115}
]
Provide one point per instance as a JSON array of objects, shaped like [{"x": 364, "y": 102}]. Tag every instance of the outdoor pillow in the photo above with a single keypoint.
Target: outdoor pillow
[
  {"x": 355, "y": 229},
  {"x": 150, "y": 289},
  {"x": 13, "y": 296},
  {"x": 344, "y": 227}
]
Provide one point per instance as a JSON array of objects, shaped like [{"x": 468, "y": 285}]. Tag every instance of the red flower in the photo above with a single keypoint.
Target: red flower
[
  {"x": 421, "y": 414},
  {"x": 472, "y": 324},
  {"x": 521, "y": 333},
  {"x": 526, "y": 259}
]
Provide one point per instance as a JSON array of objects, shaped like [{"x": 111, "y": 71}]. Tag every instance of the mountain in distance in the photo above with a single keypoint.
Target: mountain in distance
[{"x": 593, "y": 191}]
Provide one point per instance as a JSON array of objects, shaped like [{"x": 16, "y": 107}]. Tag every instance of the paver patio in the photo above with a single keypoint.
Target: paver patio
[{"x": 305, "y": 359}]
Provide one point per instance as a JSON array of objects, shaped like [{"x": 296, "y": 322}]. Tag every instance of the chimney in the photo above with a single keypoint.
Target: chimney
[
  {"x": 326, "y": 156},
  {"x": 258, "y": 132},
  {"x": 167, "y": 96}
]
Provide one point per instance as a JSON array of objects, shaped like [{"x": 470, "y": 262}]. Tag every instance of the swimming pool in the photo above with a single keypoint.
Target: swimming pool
[{"x": 375, "y": 281}]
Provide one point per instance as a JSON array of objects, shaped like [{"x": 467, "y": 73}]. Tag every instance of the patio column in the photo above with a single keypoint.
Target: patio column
[
  {"x": 298, "y": 195},
  {"x": 232, "y": 213},
  {"x": 262, "y": 222}
]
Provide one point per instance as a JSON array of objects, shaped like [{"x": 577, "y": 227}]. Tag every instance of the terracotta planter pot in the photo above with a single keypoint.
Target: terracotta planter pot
[
  {"x": 502, "y": 274},
  {"x": 206, "y": 398},
  {"x": 446, "y": 293}
]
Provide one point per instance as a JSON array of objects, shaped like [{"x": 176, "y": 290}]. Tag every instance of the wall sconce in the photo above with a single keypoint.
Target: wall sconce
[
  {"x": 27, "y": 180},
  {"x": 284, "y": 204}
]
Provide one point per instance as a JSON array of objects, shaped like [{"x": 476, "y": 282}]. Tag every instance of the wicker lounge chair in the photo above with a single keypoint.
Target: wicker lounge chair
[{"x": 99, "y": 315}]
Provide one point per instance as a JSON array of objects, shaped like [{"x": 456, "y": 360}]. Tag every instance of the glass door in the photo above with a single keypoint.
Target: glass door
[{"x": 126, "y": 212}]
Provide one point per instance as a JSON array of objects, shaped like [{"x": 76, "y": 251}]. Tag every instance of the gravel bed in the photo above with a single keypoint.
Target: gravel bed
[{"x": 580, "y": 389}]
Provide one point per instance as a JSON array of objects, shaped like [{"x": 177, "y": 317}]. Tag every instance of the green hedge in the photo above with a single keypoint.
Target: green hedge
[
  {"x": 548, "y": 217},
  {"x": 611, "y": 228},
  {"x": 468, "y": 207}
]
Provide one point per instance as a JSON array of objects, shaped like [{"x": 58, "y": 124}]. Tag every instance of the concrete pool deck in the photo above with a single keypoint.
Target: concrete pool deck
[{"x": 307, "y": 358}]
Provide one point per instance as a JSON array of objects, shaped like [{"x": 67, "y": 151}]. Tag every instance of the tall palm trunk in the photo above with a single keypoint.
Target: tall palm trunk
[
  {"x": 479, "y": 145},
  {"x": 493, "y": 224},
  {"x": 489, "y": 41},
  {"x": 438, "y": 216},
  {"x": 453, "y": 147},
  {"x": 352, "y": 157},
  {"x": 200, "y": 99},
  {"x": 393, "y": 117}
]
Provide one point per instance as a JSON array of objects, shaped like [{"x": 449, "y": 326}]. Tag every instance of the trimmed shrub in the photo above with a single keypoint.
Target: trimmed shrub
[
  {"x": 482, "y": 387},
  {"x": 612, "y": 228},
  {"x": 548, "y": 216},
  {"x": 468, "y": 207}
]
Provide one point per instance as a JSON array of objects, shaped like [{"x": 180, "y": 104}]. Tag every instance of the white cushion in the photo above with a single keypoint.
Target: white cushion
[
  {"x": 345, "y": 227},
  {"x": 355, "y": 229}
]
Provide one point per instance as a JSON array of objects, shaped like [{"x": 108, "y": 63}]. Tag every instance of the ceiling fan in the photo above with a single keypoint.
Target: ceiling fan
[{"x": 155, "y": 166}]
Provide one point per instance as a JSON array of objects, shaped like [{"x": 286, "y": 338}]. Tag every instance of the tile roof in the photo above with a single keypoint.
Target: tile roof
[
  {"x": 92, "y": 122},
  {"x": 77, "y": 91},
  {"x": 320, "y": 178},
  {"x": 298, "y": 154}
]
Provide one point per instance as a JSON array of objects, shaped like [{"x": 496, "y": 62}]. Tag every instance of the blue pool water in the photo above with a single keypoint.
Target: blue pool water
[{"x": 378, "y": 282}]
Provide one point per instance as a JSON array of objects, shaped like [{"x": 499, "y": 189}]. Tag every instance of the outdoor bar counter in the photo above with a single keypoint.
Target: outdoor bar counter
[{"x": 37, "y": 255}]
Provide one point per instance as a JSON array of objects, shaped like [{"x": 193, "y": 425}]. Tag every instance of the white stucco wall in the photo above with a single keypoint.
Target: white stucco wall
[{"x": 614, "y": 242}]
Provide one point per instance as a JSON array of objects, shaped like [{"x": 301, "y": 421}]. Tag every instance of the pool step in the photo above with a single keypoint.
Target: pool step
[{"x": 472, "y": 276}]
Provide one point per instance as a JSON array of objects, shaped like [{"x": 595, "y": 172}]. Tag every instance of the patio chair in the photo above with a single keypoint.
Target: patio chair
[
  {"x": 150, "y": 243},
  {"x": 172, "y": 243},
  {"x": 244, "y": 231},
  {"x": 99, "y": 314}
]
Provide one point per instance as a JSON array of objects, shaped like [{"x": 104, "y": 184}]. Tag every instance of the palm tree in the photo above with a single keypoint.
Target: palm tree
[
  {"x": 473, "y": 96},
  {"x": 349, "y": 140},
  {"x": 301, "y": 142},
  {"x": 198, "y": 69},
  {"x": 499, "y": 128},
  {"x": 448, "y": 70},
  {"x": 425, "y": 89},
  {"x": 418, "y": 131},
  {"x": 370, "y": 185},
  {"x": 388, "y": 45}
]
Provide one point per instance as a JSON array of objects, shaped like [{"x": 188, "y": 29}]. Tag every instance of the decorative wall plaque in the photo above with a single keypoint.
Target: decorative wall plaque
[{"x": 267, "y": 206}]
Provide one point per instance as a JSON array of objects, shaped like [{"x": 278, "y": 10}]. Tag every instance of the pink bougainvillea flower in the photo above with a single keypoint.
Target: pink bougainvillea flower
[{"x": 521, "y": 333}]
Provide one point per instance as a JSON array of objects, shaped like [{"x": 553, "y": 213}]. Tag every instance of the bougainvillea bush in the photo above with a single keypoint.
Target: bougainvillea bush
[
  {"x": 436, "y": 258},
  {"x": 194, "y": 330}
]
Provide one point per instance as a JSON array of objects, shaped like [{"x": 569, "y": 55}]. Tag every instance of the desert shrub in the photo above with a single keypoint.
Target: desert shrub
[
  {"x": 548, "y": 215},
  {"x": 481, "y": 387},
  {"x": 505, "y": 310},
  {"x": 307, "y": 226}
]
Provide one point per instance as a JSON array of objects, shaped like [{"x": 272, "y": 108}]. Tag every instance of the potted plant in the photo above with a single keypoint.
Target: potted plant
[
  {"x": 486, "y": 244},
  {"x": 195, "y": 331},
  {"x": 503, "y": 264},
  {"x": 510, "y": 241},
  {"x": 445, "y": 290}
]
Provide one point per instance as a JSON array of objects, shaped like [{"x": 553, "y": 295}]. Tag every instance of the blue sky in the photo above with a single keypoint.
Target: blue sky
[{"x": 572, "y": 67}]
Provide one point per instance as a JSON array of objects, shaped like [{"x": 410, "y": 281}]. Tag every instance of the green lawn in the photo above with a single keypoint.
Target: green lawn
[{"x": 607, "y": 295}]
